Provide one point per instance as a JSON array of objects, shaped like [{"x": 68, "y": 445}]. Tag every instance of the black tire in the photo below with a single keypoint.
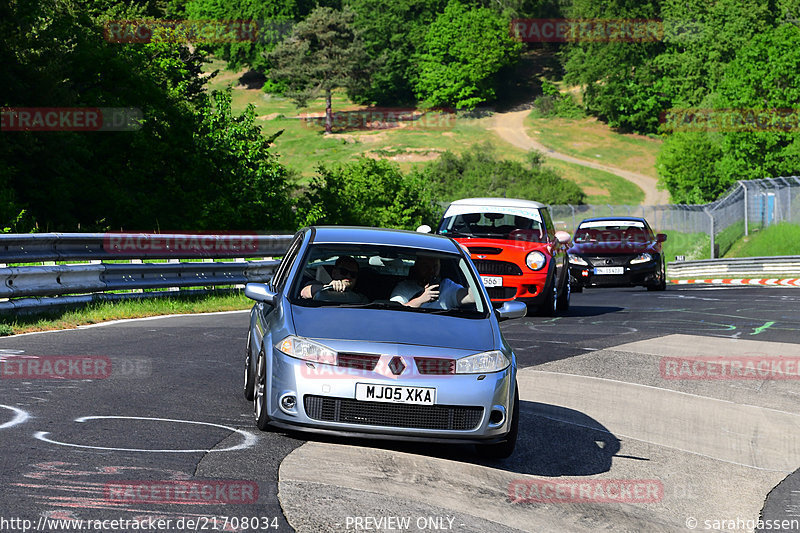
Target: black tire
[
  {"x": 548, "y": 307},
  {"x": 260, "y": 393},
  {"x": 504, "y": 448},
  {"x": 562, "y": 304},
  {"x": 249, "y": 371},
  {"x": 661, "y": 285}
]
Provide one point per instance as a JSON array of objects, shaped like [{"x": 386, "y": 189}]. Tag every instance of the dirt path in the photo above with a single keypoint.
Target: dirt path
[{"x": 510, "y": 127}]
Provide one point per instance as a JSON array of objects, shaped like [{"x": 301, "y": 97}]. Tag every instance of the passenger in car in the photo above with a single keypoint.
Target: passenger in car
[{"x": 421, "y": 289}]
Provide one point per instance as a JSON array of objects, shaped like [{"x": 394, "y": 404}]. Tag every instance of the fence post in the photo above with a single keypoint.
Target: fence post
[
  {"x": 573, "y": 215},
  {"x": 746, "y": 229},
  {"x": 711, "y": 216}
]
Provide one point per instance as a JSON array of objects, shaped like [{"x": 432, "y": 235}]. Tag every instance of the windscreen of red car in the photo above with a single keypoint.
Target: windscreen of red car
[{"x": 519, "y": 224}]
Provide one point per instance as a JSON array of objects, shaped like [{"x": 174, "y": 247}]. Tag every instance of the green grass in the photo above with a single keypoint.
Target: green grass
[
  {"x": 600, "y": 187},
  {"x": 774, "y": 240},
  {"x": 589, "y": 139},
  {"x": 692, "y": 246},
  {"x": 104, "y": 311}
]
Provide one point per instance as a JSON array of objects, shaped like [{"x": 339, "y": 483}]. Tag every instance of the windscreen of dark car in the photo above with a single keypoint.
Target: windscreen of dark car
[
  {"x": 377, "y": 275},
  {"x": 613, "y": 231},
  {"x": 502, "y": 223}
]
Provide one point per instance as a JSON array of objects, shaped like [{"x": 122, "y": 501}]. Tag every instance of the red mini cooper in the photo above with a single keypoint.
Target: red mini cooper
[{"x": 515, "y": 248}]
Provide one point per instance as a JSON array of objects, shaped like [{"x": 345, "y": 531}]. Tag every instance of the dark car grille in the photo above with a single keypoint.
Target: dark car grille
[
  {"x": 487, "y": 250},
  {"x": 501, "y": 293},
  {"x": 610, "y": 260},
  {"x": 497, "y": 268},
  {"x": 433, "y": 365},
  {"x": 349, "y": 411},
  {"x": 358, "y": 360}
]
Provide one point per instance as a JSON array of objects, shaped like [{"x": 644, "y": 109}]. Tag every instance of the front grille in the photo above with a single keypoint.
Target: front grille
[
  {"x": 345, "y": 410},
  {"x": 610, "y": 260},
  {"x": 501, "y": 293},
  {"x": 486, "y": 250},
  {"x": 433, "y": 365},
  {"x": 358, "y": 361},
  {"x": 497, "y": 268}
]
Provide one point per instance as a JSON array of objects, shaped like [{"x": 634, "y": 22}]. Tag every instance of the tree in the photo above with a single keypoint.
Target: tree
[
  {"x": 463, "y": 52},
  {"x": 324, "y": 52},
  {"x": 367, "y": 192}
]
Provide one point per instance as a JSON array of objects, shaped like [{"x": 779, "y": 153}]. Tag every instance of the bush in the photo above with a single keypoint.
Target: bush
[
  {"x": 478, "y": 172},
  {"x": 555, "y": 104},
  {"x": 366, "y": 192}
]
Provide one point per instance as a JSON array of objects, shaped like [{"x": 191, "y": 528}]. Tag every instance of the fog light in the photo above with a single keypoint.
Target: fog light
[
  {"x": 585, "y": 273},
  {"x": 497, "y": 416},
  {"x": 288, "y": 402}
]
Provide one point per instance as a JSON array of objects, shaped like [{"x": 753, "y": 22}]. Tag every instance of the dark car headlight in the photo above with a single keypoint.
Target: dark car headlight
[
  {"x": 535, "y": 260},
  {"x": 492, "y": 361},
  {"x": 307, "y": 350},
  {"x": 641, "y": 258},
  {"x": 577, "y": 260}
]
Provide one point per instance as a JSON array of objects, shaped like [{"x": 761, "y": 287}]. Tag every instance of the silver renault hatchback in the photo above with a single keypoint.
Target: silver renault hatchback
[{"x": 382, "y": 334}]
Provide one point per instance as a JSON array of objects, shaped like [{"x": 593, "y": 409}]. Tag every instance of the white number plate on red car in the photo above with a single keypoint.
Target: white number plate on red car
[
  {"x": 395, "y": 394},
  {"x": 492, "y": 281},
  {"x": 609, "y": 270}
]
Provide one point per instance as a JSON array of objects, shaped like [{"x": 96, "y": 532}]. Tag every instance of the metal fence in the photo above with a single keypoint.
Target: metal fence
[
  {"x": 31, "y": 280},
  {"x": 749, "y": 205}
]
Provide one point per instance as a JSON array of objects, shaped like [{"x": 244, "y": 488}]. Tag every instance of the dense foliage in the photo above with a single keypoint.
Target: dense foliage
[
  {"x": 191, "y": 165},
  {"x": 479, "y": 172},
  {"x": 367, "y": 192}
]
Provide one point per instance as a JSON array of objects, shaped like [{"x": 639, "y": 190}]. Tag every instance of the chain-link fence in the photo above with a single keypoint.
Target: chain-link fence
[{"x": 749, "y": 205}]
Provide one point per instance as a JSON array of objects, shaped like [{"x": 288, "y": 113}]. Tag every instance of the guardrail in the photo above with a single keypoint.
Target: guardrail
[
  {"x": 25, "y": 286},
  {"x": 740, "y": 267}
]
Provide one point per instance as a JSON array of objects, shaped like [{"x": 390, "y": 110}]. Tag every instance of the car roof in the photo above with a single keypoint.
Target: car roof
[
  {"x": 623, "y": 219},
  {"x": 506, "y": 202},
  {"x": 385, "y": 236}
]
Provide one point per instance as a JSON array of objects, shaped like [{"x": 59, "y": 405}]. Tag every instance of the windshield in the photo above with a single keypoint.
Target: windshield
[
  {"x": 388, "y": 277},
  {"x": 524, "y": 225},
  {"x": 614, "y": 231}
]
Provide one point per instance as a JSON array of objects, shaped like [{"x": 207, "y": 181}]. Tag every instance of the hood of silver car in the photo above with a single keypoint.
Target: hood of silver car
[{"x": 402, "y": 327}]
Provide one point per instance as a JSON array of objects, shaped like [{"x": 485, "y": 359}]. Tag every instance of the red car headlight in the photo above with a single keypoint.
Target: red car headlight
[{"x": 536, "y": 260}]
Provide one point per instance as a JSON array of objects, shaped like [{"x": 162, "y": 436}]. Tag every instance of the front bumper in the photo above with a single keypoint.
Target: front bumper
[
  {"x": 633, "y": 275},
  {"x": 325, "y": 402}
]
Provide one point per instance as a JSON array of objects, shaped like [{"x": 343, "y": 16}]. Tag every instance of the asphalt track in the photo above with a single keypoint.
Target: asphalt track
[{"x": 601, "y": 415}]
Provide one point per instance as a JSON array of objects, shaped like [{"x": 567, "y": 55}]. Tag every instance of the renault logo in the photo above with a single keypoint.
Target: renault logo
[{"x": 397, "y": 366}]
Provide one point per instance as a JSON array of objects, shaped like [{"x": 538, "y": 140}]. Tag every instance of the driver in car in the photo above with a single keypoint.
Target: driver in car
[
  {"x": 344, "y": 277},
  {"x": 423, "y": 289}
]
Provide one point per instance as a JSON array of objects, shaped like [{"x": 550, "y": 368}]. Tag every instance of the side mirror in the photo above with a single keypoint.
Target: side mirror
[
  {"x": 562, "y": 237},
  {"x": 424, "y": 229},
  {"x": 661, "y": 237},
  {"x": 512, "y": 309},
  {"x": 260, "y": 293}
]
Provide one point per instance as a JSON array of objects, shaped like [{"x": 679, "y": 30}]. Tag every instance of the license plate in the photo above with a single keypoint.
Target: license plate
[
  {"x": 492, "y": 281},
  {"x": 609, "y": 270},
  {"x": 395, "y": 394}
]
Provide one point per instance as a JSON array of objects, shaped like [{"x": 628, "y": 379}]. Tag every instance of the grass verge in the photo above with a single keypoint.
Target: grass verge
[
  {"x": 774, "y": 240},
  {"x": 105, "y": 311}
]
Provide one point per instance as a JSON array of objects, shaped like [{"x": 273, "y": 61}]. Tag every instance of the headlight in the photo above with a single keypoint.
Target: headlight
[
  {"x": 479, "y": 363},
  {"x": 641, "y": 258},
  {"x": 577, "y": 260},
  {"x": 535, "y": 260},
  {"x": 307, "y": 350}
]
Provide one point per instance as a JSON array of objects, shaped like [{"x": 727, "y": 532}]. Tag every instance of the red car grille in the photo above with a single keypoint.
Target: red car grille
[
  {"x": 432, "y": 365},
  {"x": 358, "y": 361},
  {"x": 488, "y": 250},
  {"x": 501, "y": 293}
]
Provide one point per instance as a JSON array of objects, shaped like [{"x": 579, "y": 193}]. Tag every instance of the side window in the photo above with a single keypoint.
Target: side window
[
  {"x": 548, "y": 222},
  {"x": 279, "y": 280}
]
